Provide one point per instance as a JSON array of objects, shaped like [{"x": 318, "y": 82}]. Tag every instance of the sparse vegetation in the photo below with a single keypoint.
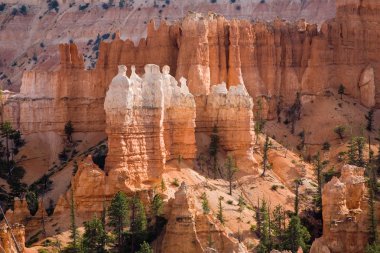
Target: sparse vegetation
[
  {"x": 82, "y": 7},
  {"x": 341, "y": 90},
  {"x": 175, "y": 182},
  {"x": 370, "y": 119},
  {"x": 267, "y": 146},
  {"x": 231, "y": 169},
  {"x": 340, "y": 131},
  {"x": 53, "y": 5},
  {"x": 205, "y": 205}
]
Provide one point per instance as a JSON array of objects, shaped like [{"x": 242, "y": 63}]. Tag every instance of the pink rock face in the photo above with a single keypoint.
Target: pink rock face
[
  {"x": 345, "y": 213},
  {"x": 187, "y": 231}
]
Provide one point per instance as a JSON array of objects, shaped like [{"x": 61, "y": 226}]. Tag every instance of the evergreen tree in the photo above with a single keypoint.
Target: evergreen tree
[
  {"x": 341, "y": 90},
  {"x": 260, "y": 122},
  {"x": 278, "y": 226},
  {"x": 219, "y": 215},
  {"x": 318, "y": 165},
  {"x": 118, "y": 216},
  {"x": 214, "y": 148},
  {"x": 145, "y": 248},
  {"x": 74, "y": 235},
  {"x": 32, "y": 201},
  {"x": 356, "y": 151},
  {"x": 294, "y": 112},
  {"x": 205, "y": 205},
  {"x": 297, "y": 183},
  {"x": 296, "y": 235},
  {"x": 267, "y": 146},
  {"x": 138, "y": 220},
  {"x": 372, "y": 217},
  {"x": 369, "y": 118},
  {"x": 231, "y": 170},
  {"x": 139, "y": 224},
  {"x": 69, "y": 129},
  {"x": 265, "y": 229},
  {"x": 157, "y": 204},
  {"x": 94, "y": 236}
]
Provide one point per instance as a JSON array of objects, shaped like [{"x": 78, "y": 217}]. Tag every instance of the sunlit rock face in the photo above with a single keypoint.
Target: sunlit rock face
[
  {"x": 149, "y": 120},
  {"x": 345, "y": 213}
]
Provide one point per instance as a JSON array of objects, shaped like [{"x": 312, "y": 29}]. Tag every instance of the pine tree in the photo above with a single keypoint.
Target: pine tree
[
  {"x": 265, "y": 229},
  {"x": 145, "y": 248},
  {"x": 205, "y": 205},
  {"x": 296, "y": 235},
  {"x": 294, "y": 112},
  {"x": 214, "y": 148},
  {"x": 74, "y": 235},
  {"x": 341, "y": 90},
  {"x": 94, "y": 236},
  {"x": 369, "y": 118},
  {"x": 318, "y": 165},
  {"x": 267, "y": 146},
  {"x": 356, "y": 151},
  {"x": 118, "y": 215},
  {"x": 139, "y": 222},
  {"x": 297, "y": 183},
  {"x": 231, "y": 170},
  {"x": 219, "y": 215},
  {"x": 69, "y": 129},
  {"x": 157, "y": 205},
  {"x": 278, "y": 226}
]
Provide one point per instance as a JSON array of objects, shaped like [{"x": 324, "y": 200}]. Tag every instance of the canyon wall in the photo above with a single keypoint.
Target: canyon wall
[{"x": 272, "y": 59}]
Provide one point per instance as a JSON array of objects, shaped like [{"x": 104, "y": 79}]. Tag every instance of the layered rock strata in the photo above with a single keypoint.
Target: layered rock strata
[
  {"x": 139, "y": 114},
  {"x": 345, "y": 213},
  {"x": 187, "y": 231},
  {"x": 272, "y": 60},
  {"x": 230, "y": 111}
]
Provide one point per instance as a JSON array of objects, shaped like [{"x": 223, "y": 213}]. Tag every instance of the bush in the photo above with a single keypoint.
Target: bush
[
  {"x": 230, "y": 202},
  {"x": 274, "y": 187},
  {"x": 53, "y": 5},
  {"x": 326, "y": 146},
  {"x": 82, "y": 7},
  {"x": 213, "y": 1},
  {"x": 14, "y": 12},
  {"x": 2, "y": 6},
  {"x": 175, "y": 182},
  {"x": 105, "y": 36},
  {"x": 23, "y": 10},
  {"x": 105, "y": 6}
]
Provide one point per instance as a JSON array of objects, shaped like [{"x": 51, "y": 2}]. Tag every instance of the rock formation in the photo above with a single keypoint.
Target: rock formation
[
  {"x": 7, "y": 244},
  {"x": 272, "y": 60},
  {"x": 231, "y": 112},
  {"x": 345, "y": 213},
  {"x": 139, "y": 115},
  {"x": 187, "y": 231}
]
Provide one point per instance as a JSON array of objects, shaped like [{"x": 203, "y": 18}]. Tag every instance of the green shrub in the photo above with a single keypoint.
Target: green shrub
[
  {"x": 230, "y": 202},
  {"x": 175, "y": 182},
  {"x": 274, "y": 187}
]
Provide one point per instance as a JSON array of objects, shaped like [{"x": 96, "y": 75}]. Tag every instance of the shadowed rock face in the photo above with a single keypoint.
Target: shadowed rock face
[{"x": 345, "y": 213}]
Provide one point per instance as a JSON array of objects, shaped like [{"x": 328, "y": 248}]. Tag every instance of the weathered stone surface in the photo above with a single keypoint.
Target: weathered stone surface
[
  {"x": 7, "y": 244},
  {"x": 146, "y": 124},
  {"x": 188, "y": 231},
  {"x": 367, "y": 87},
  {"x": 345, "y": 213}
]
